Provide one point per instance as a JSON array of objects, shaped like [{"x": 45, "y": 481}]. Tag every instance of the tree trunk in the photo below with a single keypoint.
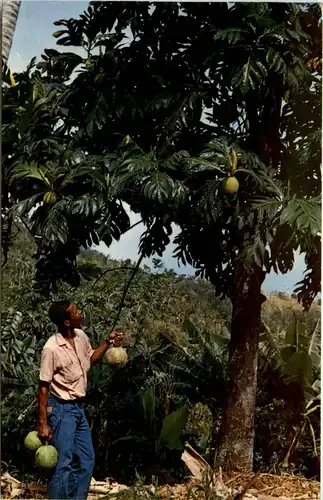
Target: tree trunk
[
  {"x": 237, "y": 429},
  {"x": 10, "y": 9}
]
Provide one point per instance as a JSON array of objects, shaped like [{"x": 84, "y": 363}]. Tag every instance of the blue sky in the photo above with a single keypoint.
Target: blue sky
[{"x": 34, "y": 34}]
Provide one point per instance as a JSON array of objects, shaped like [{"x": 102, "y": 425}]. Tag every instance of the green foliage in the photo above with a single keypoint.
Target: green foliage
[
  {"x": 173, "y": 364},
  {"x": 290, "y": 364},
  {"x": 148, "y": 401},
  {"x": 173, "y": 426},
  {"x": 299, "y": 357},
  {"x": 159, "y": 119},
  {"x": 148, "y": 383},
  {"x": 16, "y": 351},
  {"x": 200, "y": 425},
  {"x": 250, "y": 80}
]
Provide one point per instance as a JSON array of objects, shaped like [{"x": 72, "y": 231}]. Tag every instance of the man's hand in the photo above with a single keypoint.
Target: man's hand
[
  {"x": 116, "y": 337},
  {"x": 45, "y": 432}
]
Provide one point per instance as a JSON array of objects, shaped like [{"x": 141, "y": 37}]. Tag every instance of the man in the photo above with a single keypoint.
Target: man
[{"x": 65, "y": 361}]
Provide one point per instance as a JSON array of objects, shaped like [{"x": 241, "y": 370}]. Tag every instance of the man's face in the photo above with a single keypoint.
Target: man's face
[{"x": 76, "y": 317}]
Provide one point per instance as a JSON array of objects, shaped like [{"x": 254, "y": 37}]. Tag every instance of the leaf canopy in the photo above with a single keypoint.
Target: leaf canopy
[{"x": 158, "y": 83}]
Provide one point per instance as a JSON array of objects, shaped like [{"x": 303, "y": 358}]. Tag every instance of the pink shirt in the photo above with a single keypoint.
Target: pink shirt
[{"x": 65, "y": 369}]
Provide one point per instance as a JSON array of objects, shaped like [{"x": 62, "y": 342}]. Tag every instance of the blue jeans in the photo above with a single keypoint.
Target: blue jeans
[{"x": 72, "y": 439}]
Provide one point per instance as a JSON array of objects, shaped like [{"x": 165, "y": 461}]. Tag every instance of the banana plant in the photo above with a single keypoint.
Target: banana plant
[
  {"x": 306, "y": 425},
  {"x": 297, "y": 356},
  {"x": 171, "y": 435},
  {"x": 296, "y": 353}
]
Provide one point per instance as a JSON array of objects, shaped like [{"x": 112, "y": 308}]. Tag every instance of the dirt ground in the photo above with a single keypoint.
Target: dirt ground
[
  {"x": 263, "y": 487},
  {"x": 231, "y": 487}
]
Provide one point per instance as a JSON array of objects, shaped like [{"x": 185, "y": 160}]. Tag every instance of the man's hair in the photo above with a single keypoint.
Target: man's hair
[{"x": 58, "y": 312}]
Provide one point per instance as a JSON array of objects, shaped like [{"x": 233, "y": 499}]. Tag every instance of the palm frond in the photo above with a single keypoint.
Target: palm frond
[
  {"x": 303, "y": 214},
  {"x": 249, "y": 76},
  {"x": 275, "y": 61},
  {"x": 53, "y": 227},
  {"x": 23, "y": 207},
  {"x": 29, "y": 171},
  {"x": 232, "y": 35}
]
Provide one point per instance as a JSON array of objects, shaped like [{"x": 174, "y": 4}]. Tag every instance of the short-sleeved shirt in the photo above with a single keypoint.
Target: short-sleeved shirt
[{"x": 63, "y": 368}]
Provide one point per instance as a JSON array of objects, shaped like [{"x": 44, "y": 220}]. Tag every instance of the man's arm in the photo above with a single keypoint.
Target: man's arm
[
  {"x": 45, "y": 376},
  {"x": 99, "y": 352},
  {"x": 44, "y": 430},
  {"x": 115, "y": 337}
]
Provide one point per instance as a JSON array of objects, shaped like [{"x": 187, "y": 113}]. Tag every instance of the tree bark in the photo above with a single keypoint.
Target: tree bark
[
  {"x": 10, "y": 10},
  {"x": 237, "y": 430}
]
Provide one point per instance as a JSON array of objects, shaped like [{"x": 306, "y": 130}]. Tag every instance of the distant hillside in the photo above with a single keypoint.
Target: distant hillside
[{"x": 155, "y": 294}]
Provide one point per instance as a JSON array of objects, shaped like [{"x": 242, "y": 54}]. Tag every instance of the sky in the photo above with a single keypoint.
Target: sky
[{"x": 33, "y": 34}]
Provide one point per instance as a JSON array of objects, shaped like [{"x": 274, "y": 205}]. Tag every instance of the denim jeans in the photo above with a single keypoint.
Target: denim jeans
[{"x": 72, "y": 439}]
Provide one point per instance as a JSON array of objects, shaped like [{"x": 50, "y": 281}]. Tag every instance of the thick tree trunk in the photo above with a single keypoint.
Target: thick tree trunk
[
  {"x": 237, "y": 430},
  {"x": 9, "y": 15}
]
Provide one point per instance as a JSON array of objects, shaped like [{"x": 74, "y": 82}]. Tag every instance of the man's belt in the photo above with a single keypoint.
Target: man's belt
[{"x": 77, "y": 401}]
